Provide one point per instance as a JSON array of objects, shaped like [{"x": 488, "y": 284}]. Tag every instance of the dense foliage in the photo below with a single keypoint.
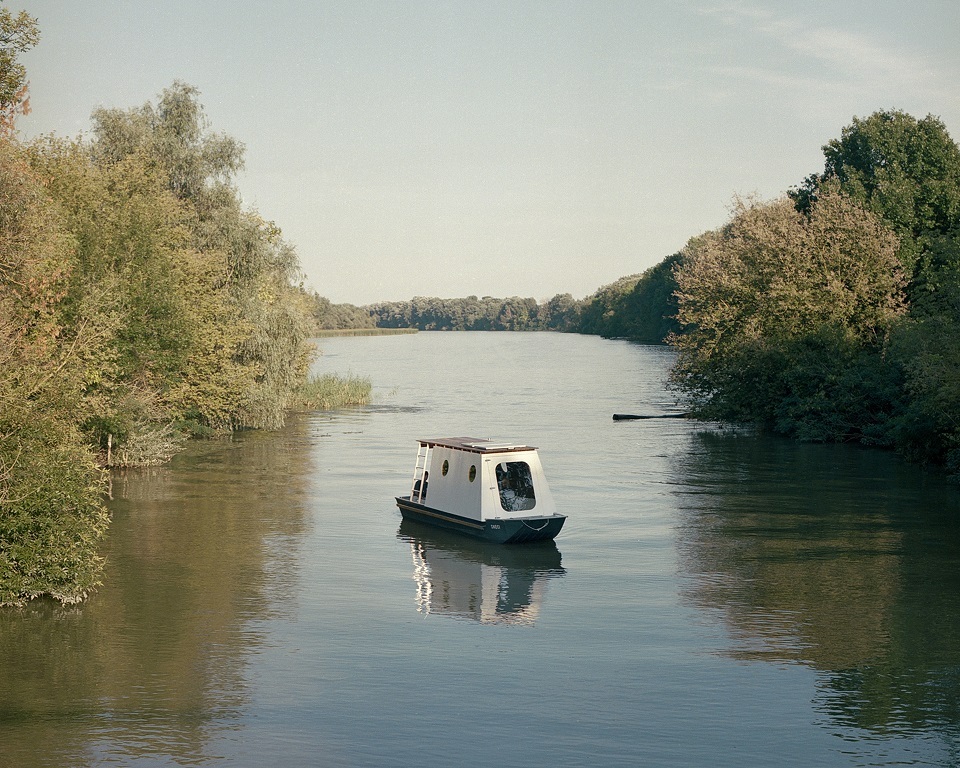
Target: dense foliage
[
  {"x": 139, "y": 302},
  {"x": 904, "y": 170},
  {"x": 907, "y": 171},
  {"x": 600, "y": 313},
  {"x": 834, "y": 315},
  {"x": 641, "y": 308},
  {"x": 248, "y": 322},
  {"x": 51, "y": 518},
  {"x": 779, "y": 309}
]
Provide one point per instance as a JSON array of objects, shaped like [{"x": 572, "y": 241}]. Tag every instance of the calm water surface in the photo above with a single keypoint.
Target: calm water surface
[{"x": 716, "y": 599}]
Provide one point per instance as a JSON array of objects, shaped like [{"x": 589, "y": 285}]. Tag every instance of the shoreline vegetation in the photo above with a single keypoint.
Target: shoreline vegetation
[
  {"x": 332, "y": 390},
  {"x": 143, "y": 304}
]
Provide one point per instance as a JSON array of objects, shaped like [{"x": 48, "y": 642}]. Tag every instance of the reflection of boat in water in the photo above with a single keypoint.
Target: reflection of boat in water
[
  {"x": 478, "y": 580},
  {"x": 492, "y": 491}
]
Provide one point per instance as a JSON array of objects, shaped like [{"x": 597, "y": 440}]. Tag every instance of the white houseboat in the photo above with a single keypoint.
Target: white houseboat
[{"x": 490, "y": 490}]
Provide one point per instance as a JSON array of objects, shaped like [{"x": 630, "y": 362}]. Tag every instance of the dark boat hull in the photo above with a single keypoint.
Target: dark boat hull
[{"x": 500, "y": 531}]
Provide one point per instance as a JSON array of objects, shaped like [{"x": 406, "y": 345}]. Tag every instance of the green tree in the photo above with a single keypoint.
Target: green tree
[
  {"x": 785, "y": 318},
  {"x": 561, "y": 313},
  {"x": 648, "y": 313},
  {"x": 325, "y": 315},
  {"x": 904, "y": 170},
  {"x": 252, "y": 273},
  {"x": 907, "y": 171},
  {"x": 198, "y": 164},
  {"x": 926, "y": 344},
  {"x": 51, "y": 516},
  {"x": 517, "y": 314},
  {"x": 599, "y": 313},
  {"x": 126, "y": 283}
]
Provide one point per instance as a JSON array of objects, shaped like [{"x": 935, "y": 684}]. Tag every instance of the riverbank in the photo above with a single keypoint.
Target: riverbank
[
  {"x": 70, "y": 569},
  {"x": 329, "y": 333}
]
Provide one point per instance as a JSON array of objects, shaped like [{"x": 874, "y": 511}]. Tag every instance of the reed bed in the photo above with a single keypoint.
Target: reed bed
[{"x": 332, "y": 390}]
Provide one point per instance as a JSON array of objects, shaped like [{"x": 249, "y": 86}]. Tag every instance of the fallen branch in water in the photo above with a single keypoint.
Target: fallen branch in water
[{"x": 632, "y": 417}]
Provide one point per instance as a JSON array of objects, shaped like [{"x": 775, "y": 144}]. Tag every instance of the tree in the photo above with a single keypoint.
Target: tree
[
  {"x": 599, "y": 312},
  {"x": 907, "y": 172},
  {"x": 129, "y": 285},
  {"x": 781, "y": 311},
  {"x": 325, "y": 315},
  {"x": 261, "y": 354},
  {"x": 51, "y": 516},
  {"x": 926, "y": 344},
  {"x": 17, "y": 34},
  {"x": 561, "y": 313},
  {"x": 904, "y": 170},
  {"x": 198, "y": 165},
  {"x": 648, "y": 313}
]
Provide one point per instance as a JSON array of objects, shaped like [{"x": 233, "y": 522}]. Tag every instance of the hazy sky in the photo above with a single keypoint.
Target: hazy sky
[{"x": 449, "y": 148}]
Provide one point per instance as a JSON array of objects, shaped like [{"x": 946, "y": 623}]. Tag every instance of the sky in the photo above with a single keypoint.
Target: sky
[{"x": 500, "y": 148}]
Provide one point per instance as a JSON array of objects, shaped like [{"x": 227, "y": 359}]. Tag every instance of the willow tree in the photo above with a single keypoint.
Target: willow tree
[
  {"x": 785, "y": 317},
  {"x": 251, "y": 350},
  {"x": 126, "y": 286}
]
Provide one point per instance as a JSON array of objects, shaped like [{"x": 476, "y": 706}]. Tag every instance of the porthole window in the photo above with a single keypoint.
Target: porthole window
[
  {"x": 473, "y": 472},
  {"x": 445, "y": 468}
]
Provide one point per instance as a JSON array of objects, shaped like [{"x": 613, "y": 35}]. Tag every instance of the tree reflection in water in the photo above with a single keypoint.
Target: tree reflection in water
[
  {"x": 198, "y": 553},
  {"x": 838, "y": 558}
]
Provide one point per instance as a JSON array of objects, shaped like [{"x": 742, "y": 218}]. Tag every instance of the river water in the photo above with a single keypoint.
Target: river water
[{"x": 715, "y": 599}]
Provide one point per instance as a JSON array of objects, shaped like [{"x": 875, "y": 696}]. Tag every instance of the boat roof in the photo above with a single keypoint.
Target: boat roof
[{"x": 475, "y": 444}]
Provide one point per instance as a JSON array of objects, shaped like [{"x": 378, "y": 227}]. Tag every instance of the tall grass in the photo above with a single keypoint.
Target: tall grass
[{"x": 332, "y": 390}]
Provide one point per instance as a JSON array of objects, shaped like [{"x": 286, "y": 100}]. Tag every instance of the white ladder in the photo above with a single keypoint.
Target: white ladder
[{"x": 423, "y": 454}]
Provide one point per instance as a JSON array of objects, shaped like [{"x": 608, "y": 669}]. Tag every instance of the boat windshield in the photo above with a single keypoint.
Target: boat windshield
[{"x": 516, "y": 486}]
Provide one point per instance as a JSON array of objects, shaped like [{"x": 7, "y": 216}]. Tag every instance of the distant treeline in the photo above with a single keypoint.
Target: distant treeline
[
  {"x": 476, "y": 314},
  {"x": 323, "y": 315},
  {"x": 641, "y": 308}
]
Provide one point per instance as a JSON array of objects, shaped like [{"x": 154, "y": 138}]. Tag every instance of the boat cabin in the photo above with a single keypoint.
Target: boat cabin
[{"x": 482, "y": 487}]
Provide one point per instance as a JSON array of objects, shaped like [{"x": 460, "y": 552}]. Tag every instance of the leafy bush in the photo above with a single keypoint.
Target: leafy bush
[
  {"x": 51, "y": 515},
  {"x": 785, "y": 318}
]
